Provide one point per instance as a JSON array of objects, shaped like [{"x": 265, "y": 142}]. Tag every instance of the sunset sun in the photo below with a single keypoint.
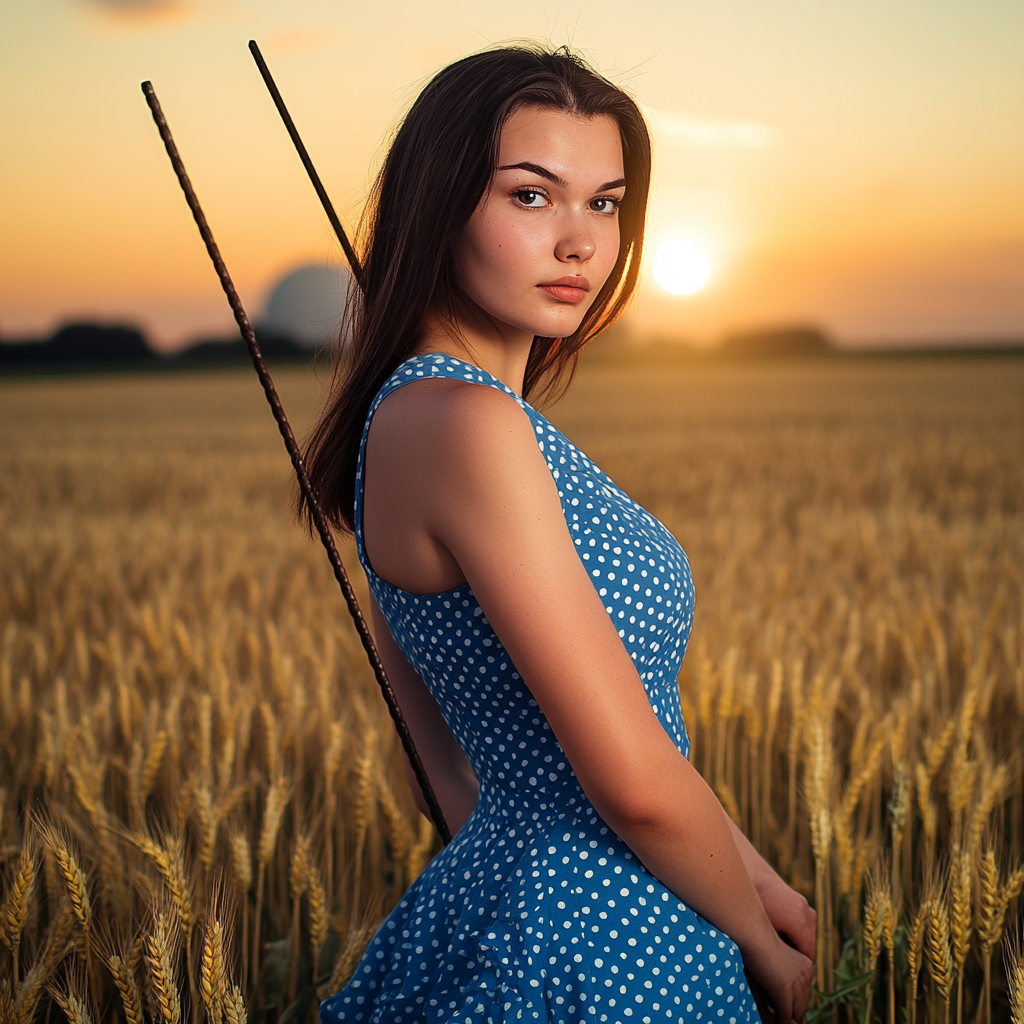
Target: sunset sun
[{"x": 681, "y": 267}]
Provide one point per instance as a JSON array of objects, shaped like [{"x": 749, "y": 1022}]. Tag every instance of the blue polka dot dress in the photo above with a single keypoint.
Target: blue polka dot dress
[{"x": 537, "y": 910}]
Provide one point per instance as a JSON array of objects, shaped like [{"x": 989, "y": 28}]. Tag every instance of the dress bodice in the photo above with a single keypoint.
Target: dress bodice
[{"x": 637, "y": 567}]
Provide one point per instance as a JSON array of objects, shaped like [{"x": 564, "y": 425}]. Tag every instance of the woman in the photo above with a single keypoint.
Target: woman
[{"x": 531, "y": 616}]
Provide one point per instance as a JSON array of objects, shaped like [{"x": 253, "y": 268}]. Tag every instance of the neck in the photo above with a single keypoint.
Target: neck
[{"x": 499, "y": 348}]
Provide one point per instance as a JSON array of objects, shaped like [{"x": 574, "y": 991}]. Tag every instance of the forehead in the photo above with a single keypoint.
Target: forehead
[{"x": 560, "y": 142}]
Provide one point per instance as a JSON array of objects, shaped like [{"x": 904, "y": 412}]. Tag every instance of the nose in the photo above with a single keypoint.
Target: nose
[{"x": 576, "y": 243}]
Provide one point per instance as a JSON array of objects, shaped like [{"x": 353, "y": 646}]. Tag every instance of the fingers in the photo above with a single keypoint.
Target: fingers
[
  {"x": 805, "y": 941},
  {"x": 802, "y": 934}
]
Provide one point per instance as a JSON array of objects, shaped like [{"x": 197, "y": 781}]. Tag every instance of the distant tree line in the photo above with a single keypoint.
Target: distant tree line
[
  {"x": 776, "y": 341},
  {"x": 86, "y": 346},
  {"x": 81, "y": 347},
  {"x": 787, "y": 340}
]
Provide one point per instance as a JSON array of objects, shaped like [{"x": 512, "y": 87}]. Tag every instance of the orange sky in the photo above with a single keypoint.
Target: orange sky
[{"x": 860, "y": 166}]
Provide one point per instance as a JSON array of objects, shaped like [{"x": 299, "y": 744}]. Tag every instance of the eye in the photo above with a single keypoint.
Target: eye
[
  {"x": 606, "y": 204},
  {"x": 531, "y": 198}
]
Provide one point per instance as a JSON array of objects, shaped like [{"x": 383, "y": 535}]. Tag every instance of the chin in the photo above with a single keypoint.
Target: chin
[
  {"x": 560, "y": 328},
  {"x": 542, "y": 323}
]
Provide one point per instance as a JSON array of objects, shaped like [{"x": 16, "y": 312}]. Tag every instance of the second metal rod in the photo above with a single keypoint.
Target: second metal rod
[{"x": 346, "y": 246}]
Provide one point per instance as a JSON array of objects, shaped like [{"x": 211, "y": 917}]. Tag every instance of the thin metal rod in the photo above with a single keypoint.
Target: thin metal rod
[
  {"x": 299, "y": 466},
  {"x": 268, "y": 78}
]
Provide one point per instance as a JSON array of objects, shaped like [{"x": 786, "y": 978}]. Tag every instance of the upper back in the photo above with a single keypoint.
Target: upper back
[{"x": 420, "y": 440}]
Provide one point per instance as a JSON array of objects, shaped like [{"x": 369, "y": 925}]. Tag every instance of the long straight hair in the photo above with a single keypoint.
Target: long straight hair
[{"x": 437, "y": 169}]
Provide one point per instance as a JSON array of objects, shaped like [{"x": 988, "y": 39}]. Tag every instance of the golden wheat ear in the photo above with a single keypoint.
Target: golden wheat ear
[
  {"x": 160, "y": 952},
  {"x": 72, "y": 995},
  {"x": 938, "y": 940},
  {"x": 58, "y": 841},
  {"x": 16, "y": 906},
  {"x": 1013, "y": 958}
]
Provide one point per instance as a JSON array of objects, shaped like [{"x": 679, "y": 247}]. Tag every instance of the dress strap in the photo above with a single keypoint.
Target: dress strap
[{"x": 434, "y": 364}]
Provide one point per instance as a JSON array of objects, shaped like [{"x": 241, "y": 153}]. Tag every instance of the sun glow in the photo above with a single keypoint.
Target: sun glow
[{"x": 681, "y": 267}]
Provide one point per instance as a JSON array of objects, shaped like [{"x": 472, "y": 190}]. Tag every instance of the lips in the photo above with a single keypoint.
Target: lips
[{"x": 567, "y": 289}]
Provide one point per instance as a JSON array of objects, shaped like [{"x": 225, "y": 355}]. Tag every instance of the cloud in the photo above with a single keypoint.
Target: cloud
[
  {"x": 134, "y": 6},
  {"x": 698, "y": 131},
  {"x": 141, "y": 11}
]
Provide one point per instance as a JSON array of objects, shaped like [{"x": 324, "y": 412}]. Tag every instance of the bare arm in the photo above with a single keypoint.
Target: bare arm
[
  {"x": 448, "y": 768},
  {"x": 473, "y": 473},
  {"x": 789, "y": 912}
]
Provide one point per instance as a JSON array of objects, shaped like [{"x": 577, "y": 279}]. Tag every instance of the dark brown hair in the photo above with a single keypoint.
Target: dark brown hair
[{"x": 435, "y": 173}]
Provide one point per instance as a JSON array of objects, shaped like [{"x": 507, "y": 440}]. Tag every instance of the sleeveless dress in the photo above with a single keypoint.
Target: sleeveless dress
[{"x": 537, "y": 910}]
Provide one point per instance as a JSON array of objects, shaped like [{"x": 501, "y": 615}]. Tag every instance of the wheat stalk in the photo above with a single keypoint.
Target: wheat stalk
[
  {"x": 234, "y": 1007},
  {"x": 39, "y": 974},
  {"x": 71, "y": 1001},
  {"x": 318, "y": 916},
  {"x": 349, "y": 956},
  {"x": 775, "y": 692},
  {"x": 213, "y": 984},
  {"x": 929, "y": 821},
  {"x": 170, "y": 862},
  {"x": 818, "y": 799},
  {"x": 960, "y": 921},
  {"x": 399, "y": 832},
  {"x": 209, "y": 821},
  {"x": 361, "y": 813},
  {"x": 915, "y": 938},
  {"x": 420, "y": 852},
  {"x": 992, "y": 788},
  {"x": 332, "y": 766},
  {"x": 877, "y": 914},
  {"x": 298, "y": 883},
  {"x": 1014, "y": 960},
  {"x": 160, "y": 960},
  {"x": 241, "y": 863},
  {"x": 6, "y": 1001},
  {"x": 899, "y": 805},
  {"x": 151, "y": 765},
  {"x": 940, "y": 959},
  {"x": 74, "y": 877},
  {"x": 12, "y": 916},
  {"x": 277, "y": 798},
  {"x": 241, "y": 867},
  {"x": 993, "y": 901},
  {"x": 990, "y": 920},
  {"x": 128, "y": 988},
  {"x": 270, "y": 739},
  {"x": 889, "y": 921}
]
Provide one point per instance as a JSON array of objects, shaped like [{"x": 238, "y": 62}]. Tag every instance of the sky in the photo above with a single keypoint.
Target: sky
[{"x": 859, "y": 167}]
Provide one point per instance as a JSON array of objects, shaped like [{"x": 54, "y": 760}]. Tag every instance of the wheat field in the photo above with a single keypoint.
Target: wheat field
[{"x": 202, "y": 809}]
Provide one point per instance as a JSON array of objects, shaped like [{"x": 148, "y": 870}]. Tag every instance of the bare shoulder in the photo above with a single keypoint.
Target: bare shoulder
[
  {"x": 450, "y": 465},
  {"x": 450, "y": 421}
]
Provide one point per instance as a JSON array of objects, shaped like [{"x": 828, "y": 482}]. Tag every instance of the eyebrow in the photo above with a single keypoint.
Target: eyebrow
[{"x": 543, "y": 172}]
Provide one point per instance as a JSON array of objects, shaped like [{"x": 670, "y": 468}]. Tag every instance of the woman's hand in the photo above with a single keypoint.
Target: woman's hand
[
  {"x": 784, "y": 976},
  {"x": 790, "y": 914},
  {"x": 781, "y": 979}
]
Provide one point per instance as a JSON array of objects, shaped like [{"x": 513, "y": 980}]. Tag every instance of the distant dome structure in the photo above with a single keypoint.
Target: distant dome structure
[{"x": 306, "y": 304}]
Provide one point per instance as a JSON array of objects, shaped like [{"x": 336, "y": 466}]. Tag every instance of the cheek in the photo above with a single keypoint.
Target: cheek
[
  {"x": 607, "y": 244},
  {"x": 508, "y": 245}
]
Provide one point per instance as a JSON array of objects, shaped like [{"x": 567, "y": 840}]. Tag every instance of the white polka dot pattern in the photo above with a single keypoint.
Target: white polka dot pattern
[{"x": 537, "y": 911}]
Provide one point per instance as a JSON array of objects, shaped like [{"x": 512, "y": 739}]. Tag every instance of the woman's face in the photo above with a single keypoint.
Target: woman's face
[{"x": 545, "y": 236}]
